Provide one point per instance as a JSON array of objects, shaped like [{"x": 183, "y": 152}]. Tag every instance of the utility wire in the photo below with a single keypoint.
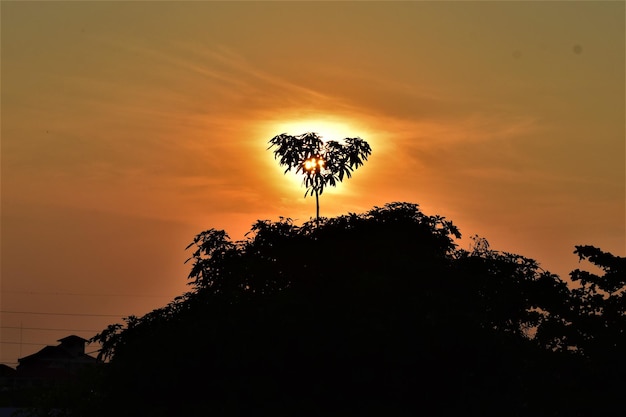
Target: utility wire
[
  {"x": 47, "y": 328},
  {"x": 86, "y": 295},
  {"x": 62, "y": 314},
  {"x": 25, "y": 343}
]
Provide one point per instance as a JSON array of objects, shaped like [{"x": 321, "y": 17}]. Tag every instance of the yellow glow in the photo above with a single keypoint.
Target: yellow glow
[
  {"x": 314, "y": 164},
  {"x": 328, "y": 126}
]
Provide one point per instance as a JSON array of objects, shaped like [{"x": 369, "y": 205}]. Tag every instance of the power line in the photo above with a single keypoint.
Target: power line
[
  {"x": 48, "y": 328},
  {"x": 62, "y": 314},
  {"x": 86, "y": 295},
  {"x": 23, "y": 343}
]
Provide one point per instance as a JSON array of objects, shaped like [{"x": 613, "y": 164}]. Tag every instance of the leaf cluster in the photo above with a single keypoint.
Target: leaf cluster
[
  {"x": 341, "y": 159},
  {"x": 597, "y": 321}
]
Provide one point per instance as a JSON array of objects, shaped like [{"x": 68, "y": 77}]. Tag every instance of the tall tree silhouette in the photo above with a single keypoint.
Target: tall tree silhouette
[{"x": 322, "y": 163}]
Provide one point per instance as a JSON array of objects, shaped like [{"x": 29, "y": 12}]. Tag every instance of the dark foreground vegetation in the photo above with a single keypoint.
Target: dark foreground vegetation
[{"x": 377, "y": 314}]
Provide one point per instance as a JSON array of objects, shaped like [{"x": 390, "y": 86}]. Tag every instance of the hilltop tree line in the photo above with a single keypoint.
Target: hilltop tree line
[{"x": 376, "y": 314}]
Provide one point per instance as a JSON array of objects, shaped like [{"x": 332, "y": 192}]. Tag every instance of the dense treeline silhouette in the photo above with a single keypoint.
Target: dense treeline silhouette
[{"x": 368, "y": 314}]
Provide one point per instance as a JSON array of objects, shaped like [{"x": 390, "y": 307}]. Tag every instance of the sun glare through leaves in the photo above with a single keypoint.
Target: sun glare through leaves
[
  {"x": 314, "y": 165},
  {"x": 322, "y": 163}
]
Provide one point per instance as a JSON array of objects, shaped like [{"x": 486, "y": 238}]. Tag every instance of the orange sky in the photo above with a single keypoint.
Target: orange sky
[{"x": 128, "y": 127}]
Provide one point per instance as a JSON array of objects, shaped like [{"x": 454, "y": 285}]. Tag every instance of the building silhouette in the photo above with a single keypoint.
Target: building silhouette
[{"x": 53, "y": 364}]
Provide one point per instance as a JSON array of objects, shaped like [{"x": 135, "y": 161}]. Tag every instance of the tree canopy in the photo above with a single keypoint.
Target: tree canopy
[{"x": 379, "y": 313}]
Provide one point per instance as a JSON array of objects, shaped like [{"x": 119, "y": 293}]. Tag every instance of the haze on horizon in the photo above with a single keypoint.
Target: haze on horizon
[{"x": 129, "y": 127}]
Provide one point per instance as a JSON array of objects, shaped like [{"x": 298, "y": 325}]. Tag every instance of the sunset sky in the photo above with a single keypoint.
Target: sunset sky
[{"x": 129, "y": 127}]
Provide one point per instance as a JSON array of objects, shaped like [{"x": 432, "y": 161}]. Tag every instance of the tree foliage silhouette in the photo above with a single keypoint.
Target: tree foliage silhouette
[
  {"x": 322, "y": 163},
  {"x": 378, "y": 313},
  {"x": 599, "y": 303}
]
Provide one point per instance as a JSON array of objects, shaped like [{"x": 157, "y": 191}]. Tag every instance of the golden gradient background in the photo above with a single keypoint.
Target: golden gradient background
[{"x": 128, "y": 127}]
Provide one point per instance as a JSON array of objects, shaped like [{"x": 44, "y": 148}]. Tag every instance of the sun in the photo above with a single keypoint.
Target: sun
[
  {"x": 326, "y": 126},
  {"x": 314, "y": 165},
  {"x": 328, "y": 129}
]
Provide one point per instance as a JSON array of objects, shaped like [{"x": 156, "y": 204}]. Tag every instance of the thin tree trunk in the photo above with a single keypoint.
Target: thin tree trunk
[{"x": 317, "y": 205}]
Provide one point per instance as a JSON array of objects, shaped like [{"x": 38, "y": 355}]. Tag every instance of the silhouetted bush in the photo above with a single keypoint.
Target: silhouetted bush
[{"x": 370, "y": 314}]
